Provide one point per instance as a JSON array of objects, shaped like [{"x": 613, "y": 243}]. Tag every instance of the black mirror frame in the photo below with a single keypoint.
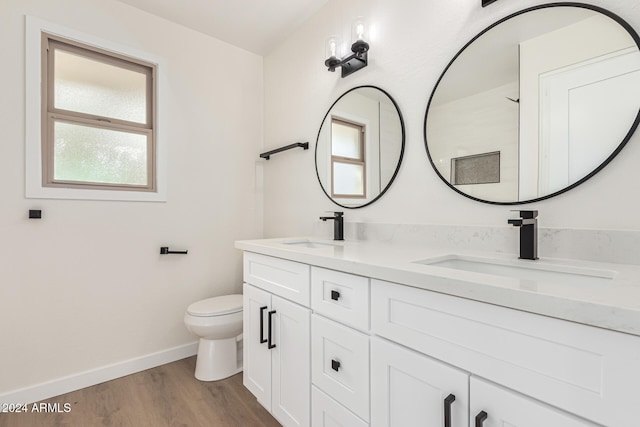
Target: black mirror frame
[
  {"x": 626, "y": 139},
  {"x": 395, "y": 173}
]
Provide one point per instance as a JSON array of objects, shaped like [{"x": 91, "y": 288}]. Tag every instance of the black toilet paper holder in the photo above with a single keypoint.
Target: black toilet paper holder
[{"x": 164, "y": 250}]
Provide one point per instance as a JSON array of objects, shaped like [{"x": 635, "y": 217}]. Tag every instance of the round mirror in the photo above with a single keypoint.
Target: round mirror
[
  {"x": 535, "y": 104},
  {"x": 360, "y": 146}
]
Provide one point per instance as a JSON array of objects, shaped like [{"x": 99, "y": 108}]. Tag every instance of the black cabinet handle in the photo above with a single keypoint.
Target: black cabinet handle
[
  {"x": 262, "y": 338},
  {"x": 270, "y": 344},
  {"x": 480, "y": 418},
  {"x": 335, "y": 295},
  {"x": 335, "y": 365},
  {"x": 447, "y": 409}
]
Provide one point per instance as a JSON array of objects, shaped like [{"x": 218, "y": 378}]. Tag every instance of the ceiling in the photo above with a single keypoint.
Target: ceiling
[{"x": 254, "y": 25}]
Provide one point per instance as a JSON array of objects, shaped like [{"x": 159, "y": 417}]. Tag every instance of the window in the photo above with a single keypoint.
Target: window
[
  {"x": 98, "y": 115},
  {"x": 347, "y": 159},
  {"x": 95, "y": 127}
]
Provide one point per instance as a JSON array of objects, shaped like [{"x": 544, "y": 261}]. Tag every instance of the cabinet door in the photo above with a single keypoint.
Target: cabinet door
[
  {"x": 494, "y": 406},
  {"x": 256, "y": 356},
  {"x": 290, "y": 364},
  {"x": 410, "y": 389}
]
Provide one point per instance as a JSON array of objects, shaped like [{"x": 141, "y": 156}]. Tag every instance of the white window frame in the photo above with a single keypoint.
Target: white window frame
[{"x": 33, "y": 150}]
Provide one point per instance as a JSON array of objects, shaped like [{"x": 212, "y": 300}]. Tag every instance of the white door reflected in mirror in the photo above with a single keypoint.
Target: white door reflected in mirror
[{"x": 585, "y": 110}]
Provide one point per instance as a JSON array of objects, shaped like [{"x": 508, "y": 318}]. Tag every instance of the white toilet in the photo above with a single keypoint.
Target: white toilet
[{"x": 218, "y": 323}]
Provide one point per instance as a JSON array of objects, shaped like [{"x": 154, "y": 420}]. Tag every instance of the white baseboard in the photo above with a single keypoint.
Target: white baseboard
[{"x": 84, "y": 379}]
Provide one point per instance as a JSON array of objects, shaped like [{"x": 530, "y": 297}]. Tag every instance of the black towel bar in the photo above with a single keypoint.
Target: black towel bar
[{"x": 266, "y": 155}]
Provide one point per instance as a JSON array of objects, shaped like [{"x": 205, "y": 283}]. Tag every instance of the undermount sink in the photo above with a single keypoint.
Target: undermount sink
[
  {"x": 538, "y": 271},
  {"x": 309, "y": 244}
]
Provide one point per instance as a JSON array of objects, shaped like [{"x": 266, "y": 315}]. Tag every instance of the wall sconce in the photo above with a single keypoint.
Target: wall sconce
[{"x": 357, "y": 59}]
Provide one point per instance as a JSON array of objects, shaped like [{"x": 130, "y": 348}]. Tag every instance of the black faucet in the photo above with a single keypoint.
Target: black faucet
[
  {"x": 528, "y": 233},
  {"x": 338, "y": 225}
]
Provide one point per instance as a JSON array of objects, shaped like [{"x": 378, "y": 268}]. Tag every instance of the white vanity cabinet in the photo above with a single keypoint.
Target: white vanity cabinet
[
  {"x": 352, "y": 351},
  {"x": 548, "y": 367},
  {"x": 276, "y": 337}
]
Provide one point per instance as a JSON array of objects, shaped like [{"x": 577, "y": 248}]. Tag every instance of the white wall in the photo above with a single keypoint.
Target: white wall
[
  {"x": 411, "y": 43},
  {"x": 85, "y": 286}
]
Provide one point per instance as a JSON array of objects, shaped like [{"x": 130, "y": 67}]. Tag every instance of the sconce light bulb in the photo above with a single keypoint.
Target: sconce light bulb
[
  {"x": 332, "y": 49},
  {"x": 360, "y": 30}
]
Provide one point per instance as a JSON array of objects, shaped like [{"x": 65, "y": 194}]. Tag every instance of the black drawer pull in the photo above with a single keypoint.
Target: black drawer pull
[
  {"x": 480, "y": 418},
  {"x": 270, "y": 344},
  {"x": 335, "y": 295},
  {"x": 262, "y": 338},
  {"x": 447, "y": 409},
  {"x": 335, "y": 365}
]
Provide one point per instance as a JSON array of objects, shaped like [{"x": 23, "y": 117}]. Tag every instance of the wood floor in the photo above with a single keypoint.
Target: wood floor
[{"x": 168, "y": 395}]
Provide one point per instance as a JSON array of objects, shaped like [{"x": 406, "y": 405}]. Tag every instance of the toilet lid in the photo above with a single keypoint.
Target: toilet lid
[{"x": 216, "y": 306}]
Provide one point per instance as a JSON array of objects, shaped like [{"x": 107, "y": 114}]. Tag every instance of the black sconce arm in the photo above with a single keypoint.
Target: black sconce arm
[{"x": 358, "y": 59}]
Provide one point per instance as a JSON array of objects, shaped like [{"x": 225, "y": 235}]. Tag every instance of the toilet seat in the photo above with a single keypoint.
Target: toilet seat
[{"x": 216, "y": 306}]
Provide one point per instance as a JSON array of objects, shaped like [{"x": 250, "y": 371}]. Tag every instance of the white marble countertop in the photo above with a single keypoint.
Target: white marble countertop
[{"x": 611, "y": 303}]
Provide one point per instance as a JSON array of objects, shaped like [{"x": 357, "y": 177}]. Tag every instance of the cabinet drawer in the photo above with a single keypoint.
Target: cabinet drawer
[
  {"x": 287, "y": 279},
  {"x": 584, "y": 370},
  {"x": 326, "y": 412},
  {"x": 340, "y": 364},
  {"x": 341, "y": 296}
]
